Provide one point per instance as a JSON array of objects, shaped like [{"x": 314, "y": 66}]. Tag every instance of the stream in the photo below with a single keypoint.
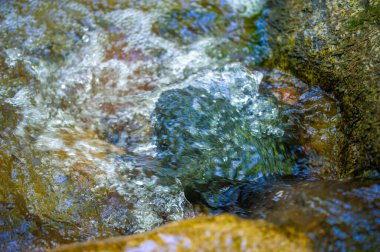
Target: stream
[{"x": 117, "y": 117}]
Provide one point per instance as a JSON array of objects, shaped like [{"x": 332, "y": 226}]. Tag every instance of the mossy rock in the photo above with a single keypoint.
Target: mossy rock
[
  {"x": 336, "y": 45},
  {"x": 204, "y": 233}
]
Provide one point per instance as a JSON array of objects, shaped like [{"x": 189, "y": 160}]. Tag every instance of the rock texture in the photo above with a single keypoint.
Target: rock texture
[
  {"x": 204, "y": 233},
  {"x": 336, "y": 45}
]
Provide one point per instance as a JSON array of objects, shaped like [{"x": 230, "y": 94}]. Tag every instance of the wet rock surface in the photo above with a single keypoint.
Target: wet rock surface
[
  {"x": 44, "y": 205},
  {"x": 335, "y": 44},
  {"x": 38, "y": 202},
  {"x": 223, "y": 233},
  {"x": 334, "y": 215},
  {"x": 313, "y": 116}
]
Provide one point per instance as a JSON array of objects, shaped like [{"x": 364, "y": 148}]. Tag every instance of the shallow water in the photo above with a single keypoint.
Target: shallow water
[{"x": 88, "y": 92}]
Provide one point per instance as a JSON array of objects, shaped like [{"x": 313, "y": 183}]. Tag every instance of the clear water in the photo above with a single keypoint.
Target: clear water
[{"x": 87, "y": 89}]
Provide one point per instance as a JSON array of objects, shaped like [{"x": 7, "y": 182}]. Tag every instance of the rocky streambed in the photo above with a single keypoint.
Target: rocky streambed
[{"x": 118, "y": 117}]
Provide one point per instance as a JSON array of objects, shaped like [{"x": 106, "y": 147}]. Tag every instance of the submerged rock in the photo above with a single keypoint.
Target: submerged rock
[
  {"x": 223, "y": 127},
  {"x": 218, "y": 233},
  {"x": 336, "y": 44},
  {"x": 219, "y": 127}
]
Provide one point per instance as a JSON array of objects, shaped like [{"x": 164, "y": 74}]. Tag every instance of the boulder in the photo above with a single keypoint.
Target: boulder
[
  {"x": 336, "y": 45},
  {"x": 204, "y": 233}
]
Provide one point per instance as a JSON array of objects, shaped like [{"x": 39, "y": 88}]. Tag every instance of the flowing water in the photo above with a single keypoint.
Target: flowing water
[{"x": 119, "y": 116}]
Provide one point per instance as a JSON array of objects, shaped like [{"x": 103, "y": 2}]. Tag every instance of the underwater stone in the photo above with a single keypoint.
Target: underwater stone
[{"x": 226, "y": 131}]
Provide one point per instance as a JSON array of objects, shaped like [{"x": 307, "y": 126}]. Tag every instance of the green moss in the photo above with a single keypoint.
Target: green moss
[{"x": 370, "y": 15}]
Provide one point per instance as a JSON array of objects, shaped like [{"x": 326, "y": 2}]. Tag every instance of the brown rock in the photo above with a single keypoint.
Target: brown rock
[
  {"x": 204, "y": 233},
  {"x": 336, "y": 45}
]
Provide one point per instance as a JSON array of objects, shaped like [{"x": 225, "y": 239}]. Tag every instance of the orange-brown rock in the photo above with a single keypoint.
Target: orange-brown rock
[{"x": 204, "y": 233}]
